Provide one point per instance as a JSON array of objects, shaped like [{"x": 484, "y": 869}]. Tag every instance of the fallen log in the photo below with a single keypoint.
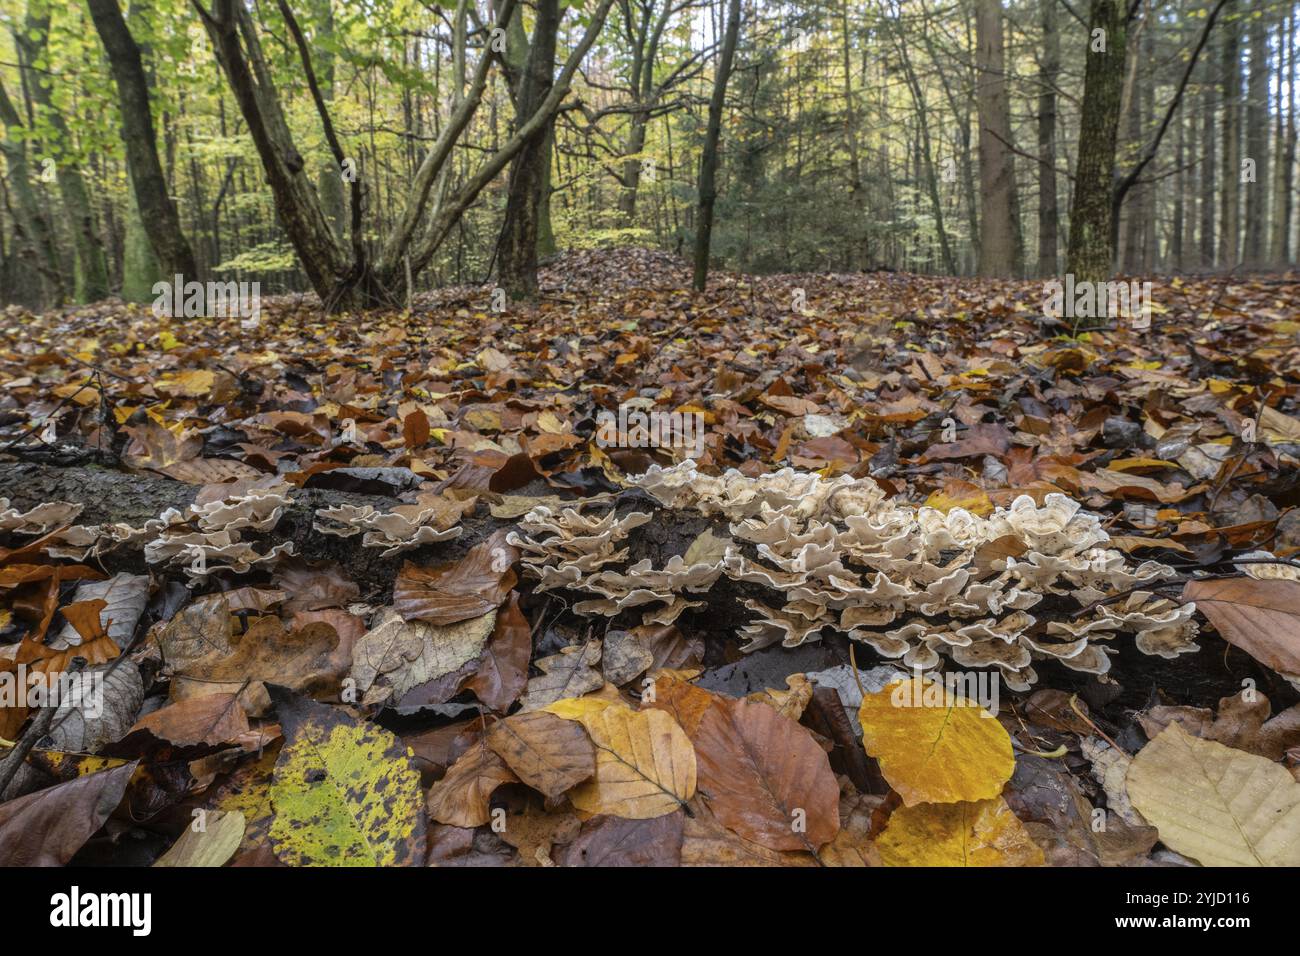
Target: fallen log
[{"x": 1135, "y": 681}]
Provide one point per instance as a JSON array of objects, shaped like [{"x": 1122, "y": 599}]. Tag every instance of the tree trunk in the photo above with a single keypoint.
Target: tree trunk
[
  {"x": 708, "y": 191},
  {"x": 1293, "y": 97},
  {"x": 1230, "y": 231},
  {"x": 1091, "y": 244},
  {"x": 925, "y": 150},
  {"x": 1257, "y": 190},
  {"x": 528, "y": 179},
  {"x": 1048, "y": 213},
  {"x": 997, "y": 169},
  {"x": 1208, "y": 168},
  {"x": 34, "y": 237},
  {"x": 157, "y": 211},
  {"x": 90, "y": 277},
  {"x": 329, "y": 178}
]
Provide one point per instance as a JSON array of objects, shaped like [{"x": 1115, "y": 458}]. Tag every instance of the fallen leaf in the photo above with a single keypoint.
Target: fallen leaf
[
  {"x": 984, "y": 833},
  {"x": 48, "y": 827},
  {"x": 211, "y": 845},
  {"x": 766, "y": 778},
  {"x": 462, "y": 797},
  {"x": 645, "y": 764},
  {"x": 345, "y": 792},
  {"x": 1220, "y": 806},
  {"x": 944, "y": 752},
  {"x": 546, "y": 752},
  {"x": 1262, "y": 617}
]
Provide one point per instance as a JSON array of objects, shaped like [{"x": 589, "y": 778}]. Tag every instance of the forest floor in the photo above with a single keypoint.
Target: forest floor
[{"x": 252, "y": 650}]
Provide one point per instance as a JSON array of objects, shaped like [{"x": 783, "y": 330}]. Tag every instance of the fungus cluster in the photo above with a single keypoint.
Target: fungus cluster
[
  {"x": 917, "y": 584},
  {"x": 430, "y": 519}
]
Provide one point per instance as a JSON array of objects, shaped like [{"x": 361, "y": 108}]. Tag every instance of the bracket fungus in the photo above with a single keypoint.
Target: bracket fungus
[
  {"x": 430, "y": 519},
  {"x": 916, "y": 584}
]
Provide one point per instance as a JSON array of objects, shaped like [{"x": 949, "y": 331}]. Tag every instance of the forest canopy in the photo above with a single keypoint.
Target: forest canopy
[{"x": 308, "y": 144}]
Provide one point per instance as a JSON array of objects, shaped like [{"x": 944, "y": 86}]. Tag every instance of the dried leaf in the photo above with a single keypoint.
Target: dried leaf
[
  {"x": 546, "y": 752},
  {"x": 1220, "y": 806},
  {"x": 766, "y": 778}
]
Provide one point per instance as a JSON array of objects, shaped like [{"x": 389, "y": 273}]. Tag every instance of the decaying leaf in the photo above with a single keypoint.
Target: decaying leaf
[
  {"x": 48, "y": 827},
  {"x": 1262, "y": 617},
  {"x": 473, "y": 586},
  {"x": 462, "y": 797},
  {"x": 345, "y": 792},
  {"x": 548, "y": 753},
  {"x": 397, "y": 655},
  {"x": 570, "y": 673},
  {"x": 765, "y": 776},
  {"x": 1220, "y": 806},
  {"x": 645, "y": 764},
  {"x": 213, "y": 843}
]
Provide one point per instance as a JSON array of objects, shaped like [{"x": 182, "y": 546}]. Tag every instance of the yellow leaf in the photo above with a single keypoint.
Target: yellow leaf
[
  {"x": 193, "y": 383},
  {"x": 645, "y": 763},
  {"x": 212, "y": 845},
  {"x": 1220, "y": 806},
  {"x": 985, "y": 833},
  {"x": 1140, "y": 464},
  {"x": 935, "y": 746},
  {"x": 579, "y": 708},
  {"x": 345, "y": 793},
  {"x": 960, "y": 494}
]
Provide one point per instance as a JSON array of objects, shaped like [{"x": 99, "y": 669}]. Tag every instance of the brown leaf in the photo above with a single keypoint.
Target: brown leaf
[
  {"x": 685, "y": 702},
  {"x": 314, "y": 587},
  {"x": 1262, "y": 617},
  {"x": 706, "y": 842},
  {"x": 615, "y": 841},
  {"x": 415, "y": 429},
  {"x": 569, "y": 673},
  {"x": 471, "y": 587},
  {"x": 546, "y": 752},
  {"x": 765, "y": 776},
  {"x": 462, "y": 797},
  {"x": 503, "y": 668},
  {"x": 211, "y": 719},
  {"x": 305, "y": 660},
  {"x": 48, "y": 827}
]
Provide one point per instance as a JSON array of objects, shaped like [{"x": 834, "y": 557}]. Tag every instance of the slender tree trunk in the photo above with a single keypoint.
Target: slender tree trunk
[
  {"x": 708, "y": 192},
  {"x": 1091, "y": 245},
  {"x": 1293, "y": 128},
  {"x": 1208, "y": 167},
  {"x": 140, "y": 266},
  {"x": 329, "y": 178},
  {"x": 1176, "y": 235},
  {"x": 34, "y": 237},
  {"x": 528, "y": 170},
  {"x": 1285, "y": 145},
  {"x": 997, "y": 169},
  {"x": 1257, "y": 191},
  {"x": 91, "y": 267},
  {"x": 1230, "y": 229},
  {"x": 157, "y": 211},
  {"x": 1048, "y": 214}
]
